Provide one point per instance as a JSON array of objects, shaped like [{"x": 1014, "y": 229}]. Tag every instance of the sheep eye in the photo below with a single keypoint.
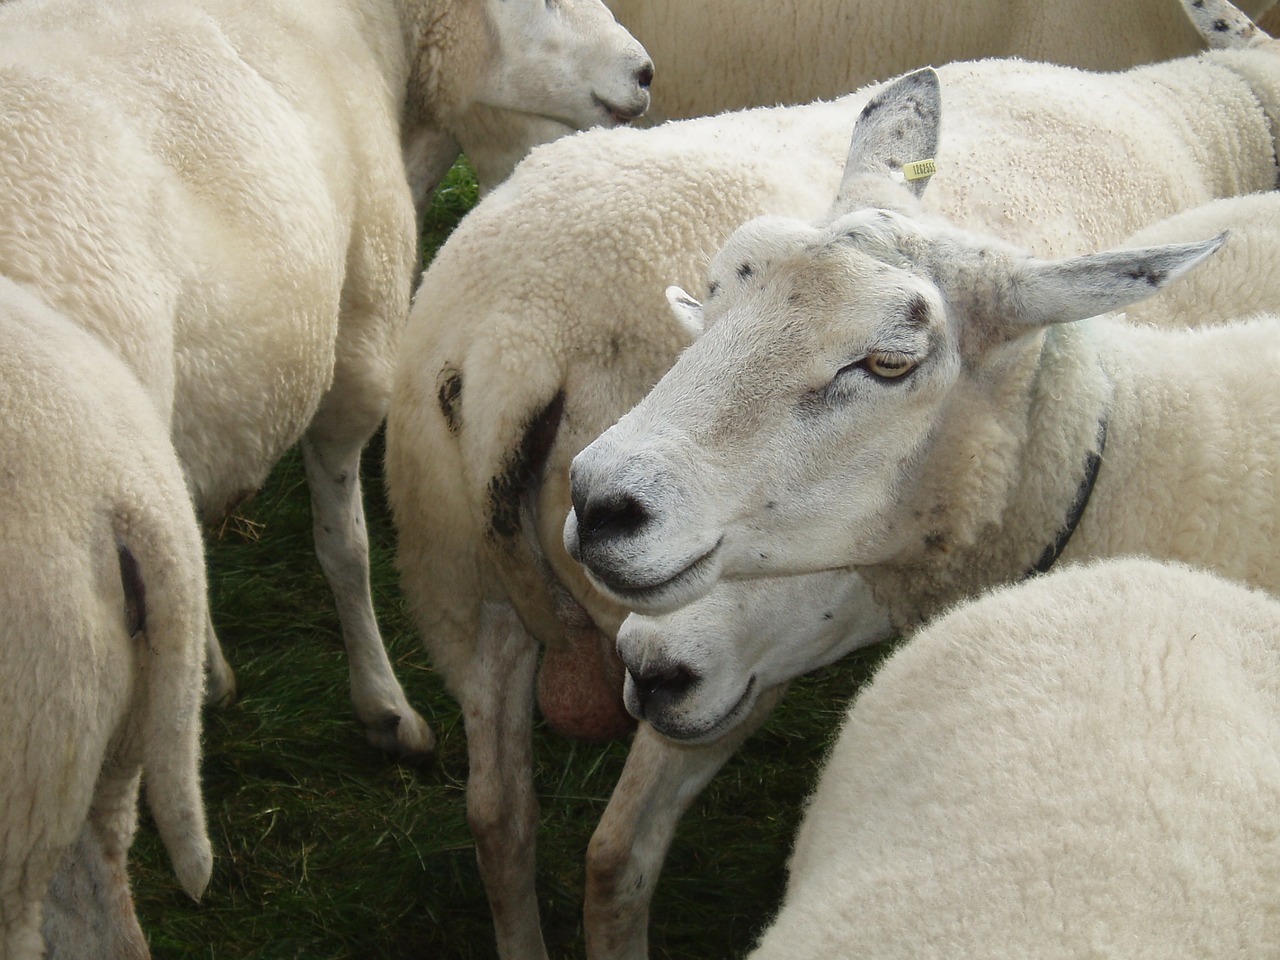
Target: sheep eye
[
  {"x": 879, "y": 367},
  {"x": 888, "y": 366}
]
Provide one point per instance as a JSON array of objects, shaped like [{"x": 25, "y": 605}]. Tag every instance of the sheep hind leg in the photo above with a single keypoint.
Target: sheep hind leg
[
  {"x": 89, "y": 911},
  {"x": 332, "y": 460},
  {"x": 661, "y": 778},
  {"x": 20, "y": 930},
  {"x": 502, "y": 808}
]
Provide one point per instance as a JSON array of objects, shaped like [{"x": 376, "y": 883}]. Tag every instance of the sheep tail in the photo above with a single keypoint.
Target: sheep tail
[{"x": 162, "y": 568}]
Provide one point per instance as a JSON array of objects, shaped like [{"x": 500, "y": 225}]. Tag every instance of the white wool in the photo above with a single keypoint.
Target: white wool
[
  {"x": 1240, "y": 280},
  {"x": 89, "y": 476},
  {"x": 1082, "y": 765}
]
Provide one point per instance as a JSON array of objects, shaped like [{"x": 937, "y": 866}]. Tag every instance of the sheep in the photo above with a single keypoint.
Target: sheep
[
  {"x": 748, "y": 636},
  {"x": 217, "y": 190},
  {"x": 713, "y": 55},
  {"x": 1083, "y": 764},
  {"x": 547, "y": 70},
  {"x": 945, "y": 428},
  {"x": 102, "y": 613},
  {"x": 539, "y": 323}
]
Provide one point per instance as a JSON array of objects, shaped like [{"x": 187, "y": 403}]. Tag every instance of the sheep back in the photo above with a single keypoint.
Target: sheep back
[
  {"x": 1080, "y": 765},
  {"x": 220, "y": 196},
  {"x": 102, "y": 607},
  {"x": 566, "y": 329}
]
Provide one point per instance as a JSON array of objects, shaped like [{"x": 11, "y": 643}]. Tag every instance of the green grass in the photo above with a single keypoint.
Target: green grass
[{"x": 327, "y": 850}]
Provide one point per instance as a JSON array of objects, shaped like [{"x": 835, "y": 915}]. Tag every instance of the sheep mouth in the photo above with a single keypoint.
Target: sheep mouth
[
  {"x": 690, "y": 581},
  {"x": 704, "y": 733},
  {"x": 618, "y": 116}
]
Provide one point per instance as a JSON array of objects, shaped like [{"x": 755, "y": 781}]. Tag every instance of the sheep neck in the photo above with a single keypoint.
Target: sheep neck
[
  {"x": 1093, "y": 461},
  {"x": 1050, "y": 424},
  {"x": 1259, "y": 68}
]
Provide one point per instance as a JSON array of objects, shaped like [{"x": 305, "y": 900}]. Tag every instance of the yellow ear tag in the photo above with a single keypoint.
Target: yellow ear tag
[{"x": 919, "y": 170}]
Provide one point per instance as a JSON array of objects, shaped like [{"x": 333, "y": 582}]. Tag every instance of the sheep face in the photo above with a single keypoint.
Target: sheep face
[
  {"x": 841, "y": 369},
  {"x": 829, "y": 401},
  {"x": 496, "y": 78},
  {"x": 564, "y": 61},
  {"x": 697, "y": 672}
]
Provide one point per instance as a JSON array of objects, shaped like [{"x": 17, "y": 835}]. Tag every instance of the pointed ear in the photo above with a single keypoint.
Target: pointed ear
[
  {"x": 688, "y": 311},
  {"x": 896, "y": 129},
  {"x": 1061, "y": 291},
  {"x": 1222, "y": 25}
]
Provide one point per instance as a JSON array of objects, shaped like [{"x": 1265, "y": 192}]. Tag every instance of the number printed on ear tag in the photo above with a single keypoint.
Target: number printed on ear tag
[{"x": 919, "y": 169}]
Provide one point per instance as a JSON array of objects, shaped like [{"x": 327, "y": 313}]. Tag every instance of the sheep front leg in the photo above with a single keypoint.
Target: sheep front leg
[
  {"x": 220, "y": 682},
  {"x": 661, "y": 778},
  {"x": 332, "y": 460},
  {"x": 497, "y": 704}
]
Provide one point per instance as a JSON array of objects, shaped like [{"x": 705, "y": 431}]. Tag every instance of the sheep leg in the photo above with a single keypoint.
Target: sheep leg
[
  {"x": 332, "y": 460},
  {"x": 220, "y": 679},
  {"x": 502, "y": 809},
  {"x": 88, "y": 911},
  {"x": 661, "y": 778}
]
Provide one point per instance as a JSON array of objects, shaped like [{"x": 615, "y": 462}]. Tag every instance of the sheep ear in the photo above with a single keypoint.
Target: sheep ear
[
  {"x": 1223, "y": 26},
  {"x": 1061, "y": 291},
  {"x": 688, "y": 311},
  {"x": 897, "y": 129}
]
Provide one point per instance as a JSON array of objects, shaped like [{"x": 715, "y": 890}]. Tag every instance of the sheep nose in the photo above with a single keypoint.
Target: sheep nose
[
  {"x": 662, "y": 687},
  {"x": 612, "y": 514},
  {"x": 644, "y": 76}
]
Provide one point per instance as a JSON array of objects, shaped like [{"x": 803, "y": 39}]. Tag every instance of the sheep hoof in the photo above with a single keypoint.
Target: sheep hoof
[
  {"x": 220, "y": 687},
  {"x": 408, "y": 738}
]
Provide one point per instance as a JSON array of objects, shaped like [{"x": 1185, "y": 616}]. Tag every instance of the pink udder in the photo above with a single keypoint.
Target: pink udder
[{"x": 580, "y": 688}]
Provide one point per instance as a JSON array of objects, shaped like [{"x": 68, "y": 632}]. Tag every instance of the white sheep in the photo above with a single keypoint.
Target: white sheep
[
  {"x": 495, "y": 78},
  {"x": 716, "y": 55},
  {"x": 216, "y": 190},
  {"x": 541, "y": 321},
  {"x": 889, "y": 391},
  {"x": 700, "y": 668},
  {"x": 102, "y": 614},
  {"x": 1081, "y": 765}
]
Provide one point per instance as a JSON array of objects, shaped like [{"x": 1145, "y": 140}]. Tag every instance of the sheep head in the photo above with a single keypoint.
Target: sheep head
[
  {"x": 790, "y": 437},
  {"x": 496, "y": 78}
]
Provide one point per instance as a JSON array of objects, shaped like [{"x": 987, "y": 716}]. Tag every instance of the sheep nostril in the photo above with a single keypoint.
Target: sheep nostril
[
  {"x": 662, "y": 687},
  {"x": 615, "y": 516},
  {"x": 644, "y": 76}
]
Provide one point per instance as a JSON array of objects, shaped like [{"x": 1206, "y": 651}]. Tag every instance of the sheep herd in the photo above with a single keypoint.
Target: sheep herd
[{"x": 977, "y": 355}]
